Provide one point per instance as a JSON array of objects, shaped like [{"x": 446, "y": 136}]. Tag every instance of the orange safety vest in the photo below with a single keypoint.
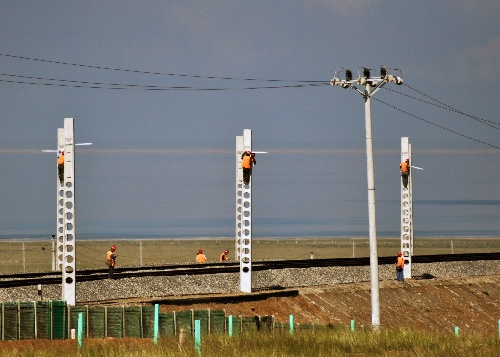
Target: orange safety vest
[
  {"x": 222, "y": 257},
  {"x": 108, "y": 257},
  {"x": 201, "y": 258},
  {"x": 401, "y": 262},
  {"x": 246, "y": 163},
  {"x": 60, "y": 160},
  {"x": 404, "y": 167}
]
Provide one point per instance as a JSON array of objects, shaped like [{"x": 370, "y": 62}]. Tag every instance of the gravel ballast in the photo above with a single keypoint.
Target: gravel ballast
[{"x": 164, "y": 286}]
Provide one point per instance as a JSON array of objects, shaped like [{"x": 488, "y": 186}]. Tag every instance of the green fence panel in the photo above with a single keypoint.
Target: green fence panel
[
  {"x": 1, "y": 320},
  {"x": 267, "y": 323},
  {"x": 59, "y": 320},
  {"x": 133, "y": 321},
  {"x": 115, "y": 322},
  {"x": 43, "y": 320},
  {"x": 250, "y": 324},
  {"x": 282, "y": 327},
  {"x": 167, "y": 324},
  {"x": 184, "y": 319},
  {"x": 97, "y": 322},
  {"x": 148, "y": 321},
  {"x": 204, "y": 317},
  {"x": 305, "y": 326},
  {"x": 27, "y": 321},
  {"x": 218, "y": 321},
  {"x": 11, "y": 323},
  {"x": 73, "y": 319}
]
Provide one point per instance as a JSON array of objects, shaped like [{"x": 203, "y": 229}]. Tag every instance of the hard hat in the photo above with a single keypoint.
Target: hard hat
[
  {"x": 113, "y": 247},
  {"x": 399, "y": 254},
  {"x": 200, "y": 251},
  {"x": 226, "y": 251}
]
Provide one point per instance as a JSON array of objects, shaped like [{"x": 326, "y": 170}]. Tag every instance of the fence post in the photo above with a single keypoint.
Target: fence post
[
  {"x": 35, "y": 330},
  {"x": 352, "y": 325},
  {"x": 157, "y": 323},
  {"x": 291, "y": 324},
  {"x": 230, "y": 325},
  {"x": 197, "y": 336},
  {"x": 80, "y": 330},
  {"x": 456, "y": 330}
]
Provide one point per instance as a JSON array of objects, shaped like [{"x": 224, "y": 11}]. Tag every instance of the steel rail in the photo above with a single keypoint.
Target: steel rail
[{"x": 48, "y": 278}]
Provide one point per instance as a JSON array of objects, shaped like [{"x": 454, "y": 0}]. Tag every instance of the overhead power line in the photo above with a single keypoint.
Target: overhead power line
[
  {"x": 117, "y": 86},
  {"x": 154, "y": 73},
  {"x": 442, "y": 105},
  {"x": 436, "y": 125}
]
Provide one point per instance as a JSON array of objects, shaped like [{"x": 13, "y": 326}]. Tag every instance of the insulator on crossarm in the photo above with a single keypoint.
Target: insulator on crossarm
[
  {"x": 348, "y": 75},
  {"x": 383, "y": 72}
]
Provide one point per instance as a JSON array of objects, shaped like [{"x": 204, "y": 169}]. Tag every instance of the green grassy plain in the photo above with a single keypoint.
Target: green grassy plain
[
  {"x": 317, "y": 343},
  {"x": 33, "y": 256}
]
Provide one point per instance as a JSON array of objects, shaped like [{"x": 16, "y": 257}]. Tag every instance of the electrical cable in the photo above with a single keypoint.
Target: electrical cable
[
  {"x": 153, "y": 73},
  {"x": 437, "y": 125},
  {"x": 117, "y": 86},
  {"x": 445, "y": 106}
]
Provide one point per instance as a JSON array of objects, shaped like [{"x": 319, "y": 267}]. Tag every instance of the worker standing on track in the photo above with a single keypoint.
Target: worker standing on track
[
  {"x": 224, "y": 257},
  {"x": 200, "y": 257},
  {"x": 400, "y": 265},
  {"x": 110, "y": 261}
]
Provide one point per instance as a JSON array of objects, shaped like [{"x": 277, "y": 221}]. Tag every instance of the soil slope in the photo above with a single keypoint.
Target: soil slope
[{"x": 472, "y": 304}]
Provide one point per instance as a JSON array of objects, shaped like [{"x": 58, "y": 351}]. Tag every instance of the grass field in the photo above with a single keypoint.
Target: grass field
[
  {"x": 321, "y": 343},
  {"x": 32, "y": 256}
]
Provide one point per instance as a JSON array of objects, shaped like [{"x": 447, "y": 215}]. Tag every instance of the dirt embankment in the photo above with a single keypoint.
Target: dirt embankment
[{"x": 472, "y": 304}]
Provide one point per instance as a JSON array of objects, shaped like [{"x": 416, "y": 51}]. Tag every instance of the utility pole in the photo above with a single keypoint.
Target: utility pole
[{"x": 368, "y": 86}]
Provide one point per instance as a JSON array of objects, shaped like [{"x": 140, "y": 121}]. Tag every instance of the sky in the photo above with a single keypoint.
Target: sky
[{"x": 162, "y": 89}]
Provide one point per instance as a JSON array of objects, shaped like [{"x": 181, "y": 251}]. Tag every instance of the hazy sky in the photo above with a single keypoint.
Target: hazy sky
[{"x": 162, "y": 88}]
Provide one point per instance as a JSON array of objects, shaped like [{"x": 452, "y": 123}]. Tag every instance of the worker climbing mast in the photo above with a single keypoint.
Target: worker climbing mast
[
  {"x": 60, "y": 200},
  {"x": 243, "y": 246},
  {"x": 406, "y": 206}
]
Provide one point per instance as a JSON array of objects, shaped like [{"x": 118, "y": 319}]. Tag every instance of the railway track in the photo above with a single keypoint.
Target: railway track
[{"x": 49, "y": 278}]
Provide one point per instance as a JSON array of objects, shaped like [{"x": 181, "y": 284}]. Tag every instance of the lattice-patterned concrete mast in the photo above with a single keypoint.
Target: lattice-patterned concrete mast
[
  {"x": 243, "y": 244},
  {"x": 69, "y": 236},
  {"x": 406, "y": 211}
]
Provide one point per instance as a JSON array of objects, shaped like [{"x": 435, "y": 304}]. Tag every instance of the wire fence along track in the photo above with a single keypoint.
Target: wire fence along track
[{"x": 48, "y": 278}]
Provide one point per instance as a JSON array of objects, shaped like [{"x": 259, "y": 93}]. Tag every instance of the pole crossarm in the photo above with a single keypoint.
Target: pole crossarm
[{"x": 365, "y": 79}]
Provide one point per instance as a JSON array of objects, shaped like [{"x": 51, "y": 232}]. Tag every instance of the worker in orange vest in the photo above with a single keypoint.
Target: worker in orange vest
[
  {"x": 110, "y": 261},
  {"x": 400, "y": 265},
  {"x": 405, "y": 171},
  {"x": 223, "y": 256},
  {"x": 60, "y": 167},
  {"x": 247, "y": 162},
  {"x": 200, "y": 257}
]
